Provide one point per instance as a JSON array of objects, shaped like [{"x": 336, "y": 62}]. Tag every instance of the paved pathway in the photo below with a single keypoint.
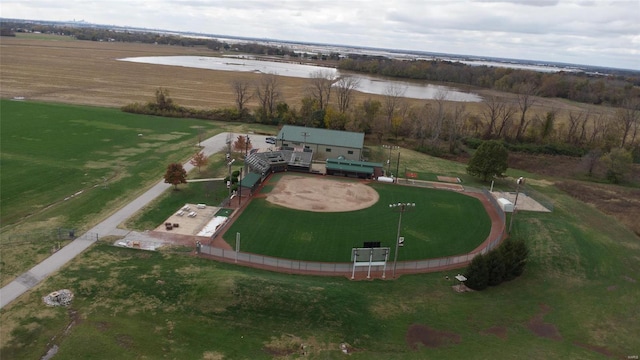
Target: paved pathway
[{"x": 107, "y": 227}]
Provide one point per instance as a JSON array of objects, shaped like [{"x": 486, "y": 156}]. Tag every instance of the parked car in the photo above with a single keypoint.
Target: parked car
[{"x": 270, "y": 140}]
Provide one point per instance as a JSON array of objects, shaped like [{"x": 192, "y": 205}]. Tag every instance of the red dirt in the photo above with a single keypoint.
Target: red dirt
[
  {"x": 541, "y": 328},
  {"x": 598, "y": 349},
  {"x": 499, "y": 331},
  {"x": 423, "y": 335}
]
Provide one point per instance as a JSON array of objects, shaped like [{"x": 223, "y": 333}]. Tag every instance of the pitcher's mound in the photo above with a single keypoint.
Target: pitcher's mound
[{"x": 322, "y": 194}]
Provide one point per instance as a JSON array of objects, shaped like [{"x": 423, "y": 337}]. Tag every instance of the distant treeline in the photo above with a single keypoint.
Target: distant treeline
[
  {"x": 581, "y": 87},
  {"x": 112, "y": 35},
  {"x": 614, "y": 89}
]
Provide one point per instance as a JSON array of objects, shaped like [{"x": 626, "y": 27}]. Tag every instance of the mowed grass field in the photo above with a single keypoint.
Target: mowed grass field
[
  {"x": 442, "y": 223},
  {"x": 68, "y": 166}
]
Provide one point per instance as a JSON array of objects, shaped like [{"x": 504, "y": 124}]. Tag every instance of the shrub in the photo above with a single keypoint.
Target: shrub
[
  {"x": 514, "y": 254},
  {"x": 496, "y": 267},
  {"x": 478, "y": 273}
]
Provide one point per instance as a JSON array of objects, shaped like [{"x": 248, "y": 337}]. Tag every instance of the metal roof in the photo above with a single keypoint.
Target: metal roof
[
  {"x": 321, "y": 136},
  {"x": 250, "y": 180},
  {"x": 350, "y": 168}
]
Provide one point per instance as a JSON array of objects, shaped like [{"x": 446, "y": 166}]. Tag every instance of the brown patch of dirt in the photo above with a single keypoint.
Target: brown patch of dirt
[
  {"x": 600, "y": 350},
  {"x": 124, "y": 341},
  {"x": 623, "y": 203},
  {"x": 320, "y": 194},
  {"x": 547, "y": 330},
  {"x": 423, "y": 335},
  {"x": 499, "y": 331},
  {"x": 449, "y": 179}
]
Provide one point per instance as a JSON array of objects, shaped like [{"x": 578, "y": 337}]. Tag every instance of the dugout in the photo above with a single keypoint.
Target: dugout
[
  {"x": 250, "y": 183},
  {"x": 352, "y": 168}
]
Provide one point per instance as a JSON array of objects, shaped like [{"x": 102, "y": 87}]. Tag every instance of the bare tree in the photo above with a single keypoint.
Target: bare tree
[
  {"x": 268, "y": 93},
  {"x": 320, "y": 87},
  {"x": 628, "y": 118},
  {"x": 499, "y": 116},
  {"x": 505, "y": 117},
  {"x": 242, "y": 90},
  {"x": 491, "y": 113},
  {"x": 345, "y": 86},
  {"x": 393, "y": 95},
  {"x": 599, "y": 128},
  {"x": 575, "y": 119},
  {"x": 439, "y": 114},
  {"x": 525, "y": 101},
  {"x": 454, "y": 125}
]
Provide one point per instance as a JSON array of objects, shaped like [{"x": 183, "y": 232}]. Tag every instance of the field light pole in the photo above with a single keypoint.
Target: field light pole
[
  {"x": 390, "y": 147},
  {"x": 519, "y": 182},
  {"x": 230, "y": 180},
  {"x": 402, "y": 207}
]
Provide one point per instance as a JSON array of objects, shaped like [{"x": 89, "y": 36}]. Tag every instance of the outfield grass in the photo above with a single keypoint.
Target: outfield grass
[{"x": 443, "y": 223}]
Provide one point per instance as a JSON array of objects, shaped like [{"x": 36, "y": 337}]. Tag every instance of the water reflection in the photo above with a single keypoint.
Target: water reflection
[{"x": 367, "y": 84}]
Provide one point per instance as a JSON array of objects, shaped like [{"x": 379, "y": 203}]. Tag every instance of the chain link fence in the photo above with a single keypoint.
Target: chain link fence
[{"x": 339, "y": 269}]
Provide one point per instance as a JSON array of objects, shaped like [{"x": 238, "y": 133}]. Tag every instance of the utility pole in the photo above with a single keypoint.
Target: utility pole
[
  {"x": 519, "y": 182},
  {"x": 305, "y": 135},
  {"x": 402, "y": 207}
]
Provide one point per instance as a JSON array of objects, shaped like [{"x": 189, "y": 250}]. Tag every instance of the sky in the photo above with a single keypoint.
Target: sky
[{"x": 588, "y": 32}]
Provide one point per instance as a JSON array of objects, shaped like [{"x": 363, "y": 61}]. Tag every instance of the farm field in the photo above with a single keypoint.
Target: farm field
[{"x": 443, "y": 223}]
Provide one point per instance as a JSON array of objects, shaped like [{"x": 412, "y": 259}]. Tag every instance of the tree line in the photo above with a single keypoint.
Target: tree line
[
  {"x": 436, "y": 127},
  {"x": 596, "y": 89}
]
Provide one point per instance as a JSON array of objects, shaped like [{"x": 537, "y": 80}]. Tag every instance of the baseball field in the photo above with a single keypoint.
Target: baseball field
[{"x": 293, "y": 222}]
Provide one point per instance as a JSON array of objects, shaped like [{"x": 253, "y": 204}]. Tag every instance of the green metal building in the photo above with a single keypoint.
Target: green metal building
[{"x": 324, "y": 143}]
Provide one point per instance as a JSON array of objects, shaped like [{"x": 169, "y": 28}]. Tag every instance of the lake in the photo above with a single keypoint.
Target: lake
[{"x": 367, "y": 84}]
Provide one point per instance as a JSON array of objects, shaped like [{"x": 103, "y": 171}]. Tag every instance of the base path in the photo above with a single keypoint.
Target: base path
[{"x": 107, "y": 227}]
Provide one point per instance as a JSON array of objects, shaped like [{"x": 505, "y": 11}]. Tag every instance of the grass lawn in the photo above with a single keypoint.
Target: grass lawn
[
  {"x": 130, "y": 304},
  {"x": 443, "y": 223},
  {"x": 67, "y": 166}
]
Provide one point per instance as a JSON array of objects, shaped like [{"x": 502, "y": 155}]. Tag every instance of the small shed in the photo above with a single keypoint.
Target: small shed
[
  {"x": 250, "y": 182},
  {"x": 505, "y": 205}
]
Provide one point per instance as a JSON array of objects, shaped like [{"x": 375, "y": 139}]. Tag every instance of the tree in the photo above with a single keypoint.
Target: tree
[
  {"x": 241, "y": 89},
  {"x": 514, "y": 255},
  {"x": 320, "y": 87},
  {"x": 345, "y": 87},
  {"x": 242, "y": 144},
  {"x": 478, "y": 273},
  {"x": 163, "y": 101},
  {"x": 618, "y": 163},
  {"x": 489, "y": 160},
  {"x": 268, "y": 92},
  {"x": 495, "y": 267},
  {"x": 199, "y": 160},
  {"x": 526, "y": 91},
  {"x": 175, "y": 175},
  {"x": 393, "y": 97}
]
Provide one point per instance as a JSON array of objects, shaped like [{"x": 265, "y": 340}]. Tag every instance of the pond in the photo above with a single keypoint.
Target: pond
[{"x": 366, "y": 84}]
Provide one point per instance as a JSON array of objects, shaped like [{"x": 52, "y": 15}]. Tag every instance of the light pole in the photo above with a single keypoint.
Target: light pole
[
  {"x": 230, "y": 180},
  {"x": 390, "y": 147},
  {"x": 402, "y": 207},
  {"x": 519, "y": 182}
]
